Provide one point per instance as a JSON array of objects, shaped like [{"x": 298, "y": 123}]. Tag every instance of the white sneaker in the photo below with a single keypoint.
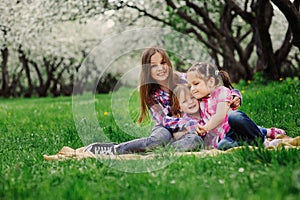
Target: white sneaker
[{"x": 101, "y": 148}]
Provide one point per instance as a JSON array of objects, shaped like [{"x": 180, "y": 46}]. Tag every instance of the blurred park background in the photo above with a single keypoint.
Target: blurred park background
[
  {"x": 51, "y": 48},
  {"x": 44, "y": 43}
]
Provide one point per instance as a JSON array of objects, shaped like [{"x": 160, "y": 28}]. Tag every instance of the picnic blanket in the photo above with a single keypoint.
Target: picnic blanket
[{"x": 281, "y": 141}]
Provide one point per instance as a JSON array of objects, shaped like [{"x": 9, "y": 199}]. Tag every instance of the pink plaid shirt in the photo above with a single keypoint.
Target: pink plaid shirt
[{"x": 208, "y": 107}]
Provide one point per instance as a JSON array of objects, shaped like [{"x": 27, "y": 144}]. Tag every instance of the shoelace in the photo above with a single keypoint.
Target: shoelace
[
  {"x": 100, "y": 150},
  {"x": 104, "y": 150}
]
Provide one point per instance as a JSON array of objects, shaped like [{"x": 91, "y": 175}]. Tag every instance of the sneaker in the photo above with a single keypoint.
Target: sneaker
[
  {"x": 101, "y": 148},
  {"x": 272, "y": 143},
  {"x": 276, "y": 131}
]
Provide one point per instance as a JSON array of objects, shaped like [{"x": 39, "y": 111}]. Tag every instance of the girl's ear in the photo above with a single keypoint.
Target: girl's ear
[{"x": 211, "y": 82}]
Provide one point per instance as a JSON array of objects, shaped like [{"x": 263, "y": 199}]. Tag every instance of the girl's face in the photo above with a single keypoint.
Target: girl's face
[
  {"x": 159, "y": 69},
  {"x": 188, "y": 104},
  {"x": 199, "y": 87}
]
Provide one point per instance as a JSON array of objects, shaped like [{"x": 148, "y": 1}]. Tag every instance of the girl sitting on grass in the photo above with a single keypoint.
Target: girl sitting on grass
[
  {"x": 220, "y": 127},
  {"x": 156, "y": 85}
]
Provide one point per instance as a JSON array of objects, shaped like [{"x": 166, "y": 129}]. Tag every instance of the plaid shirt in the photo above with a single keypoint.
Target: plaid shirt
[
  {"x": 161, "y": 107},
  {"x": 208, "y": 107},
  {"x": 161, "y": 114},
  {"x": 184, "y": 123},
  {"x": 235, "y": 92}
]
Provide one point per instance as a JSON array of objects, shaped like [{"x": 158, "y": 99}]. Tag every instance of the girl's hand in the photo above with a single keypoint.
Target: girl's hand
[
  {"x": 235, "y": 102},
  {"x": 178, "y": 135},
  {"x": 201, "y": 130}
]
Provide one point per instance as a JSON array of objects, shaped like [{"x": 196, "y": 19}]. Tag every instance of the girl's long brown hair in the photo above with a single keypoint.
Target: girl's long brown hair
[{"x": 147, "y": 84}]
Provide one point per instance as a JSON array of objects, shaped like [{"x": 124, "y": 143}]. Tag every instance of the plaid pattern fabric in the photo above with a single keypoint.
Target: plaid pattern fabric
[
  {"x": 161, "y": 107},
  {"x": 235, "y": 92},
  {"x": 208, "y": 107},
  {"x": 161, "y": 114},
  {"x": 161, "y": 111},
  {"x": 185, "y": 123}
]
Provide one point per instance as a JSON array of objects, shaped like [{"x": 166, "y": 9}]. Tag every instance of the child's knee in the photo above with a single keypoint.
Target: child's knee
[{"x": 235, "y": 117}]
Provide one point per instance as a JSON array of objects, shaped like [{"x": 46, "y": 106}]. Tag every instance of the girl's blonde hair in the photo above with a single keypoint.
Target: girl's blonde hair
[
  {"x": 147, "y": 84},
  {"x": 207, "y": 70},
  {"x": 175, "y": 104}
]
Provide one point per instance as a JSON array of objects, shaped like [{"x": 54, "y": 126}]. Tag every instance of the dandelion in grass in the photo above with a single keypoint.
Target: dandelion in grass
[
  {"x": 241, "y": 170},
  {"x": 105, "y": 113}
]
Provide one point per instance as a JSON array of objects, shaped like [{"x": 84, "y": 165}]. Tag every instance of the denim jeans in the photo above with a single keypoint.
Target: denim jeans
[
  {"x": 188, "y": 142},
  {"x": 160, "y": 137},
  {"x": 242, "y": 131}
]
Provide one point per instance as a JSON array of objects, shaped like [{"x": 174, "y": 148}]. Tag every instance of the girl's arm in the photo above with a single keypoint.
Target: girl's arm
[
  {"x": 216, "y": 120},
  {"x": 221, "y": 96},
  {"x": 157, "y": 113},
  {"x": 180, "y": 124},
  {"x": 236, "y": 101},
  {"x": 161, "y": 116}
]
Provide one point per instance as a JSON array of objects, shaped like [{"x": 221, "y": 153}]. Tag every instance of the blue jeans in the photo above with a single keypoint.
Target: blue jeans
[
  {"x": 160, "y": 137},
  {"x": 242, "y": 131},
  {"x": 188, "y": 142}
]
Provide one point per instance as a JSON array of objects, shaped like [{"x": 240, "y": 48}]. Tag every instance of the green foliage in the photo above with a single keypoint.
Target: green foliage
[{"x": 33, "y": 127}]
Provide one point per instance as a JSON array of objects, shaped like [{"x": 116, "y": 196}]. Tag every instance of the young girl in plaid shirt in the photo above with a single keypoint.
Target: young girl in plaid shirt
[
  {"x": 187, "y": 108},
  {"x": 233, "y": 128}
]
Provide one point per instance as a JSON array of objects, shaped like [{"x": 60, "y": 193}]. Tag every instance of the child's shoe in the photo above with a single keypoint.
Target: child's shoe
[
  {"x": 276, "y": 131},
  {"x": 101, "y": 148}
]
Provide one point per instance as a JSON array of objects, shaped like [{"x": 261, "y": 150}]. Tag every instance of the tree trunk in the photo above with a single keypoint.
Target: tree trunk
[
  {"x": 24, "y": 61},
  {"x": 40, "y": 89},
  {"x": 44, "y": 86},
  {"x": 264, "y": 13},
  {"x": 226, "y": 38},
  {"x": 291, "y": 13},
  {"x": 237, "y": 69},
  {"x": 16, "y": 82},
  {"x": 5, "y": 76}
]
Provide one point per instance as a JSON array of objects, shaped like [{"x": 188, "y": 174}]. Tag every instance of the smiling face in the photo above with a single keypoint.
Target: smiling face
[
  {"x": 199, "y": 87},
  {"x": 159, "y": 69},
  {"x": 188, "y": 104}
]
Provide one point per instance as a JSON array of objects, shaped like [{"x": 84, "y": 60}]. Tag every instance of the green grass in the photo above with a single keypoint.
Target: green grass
[{"x": 30, "y": 128}]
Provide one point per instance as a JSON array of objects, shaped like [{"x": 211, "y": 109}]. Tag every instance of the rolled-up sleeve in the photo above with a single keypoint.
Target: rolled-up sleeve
[{"x": 235, "y": 92}]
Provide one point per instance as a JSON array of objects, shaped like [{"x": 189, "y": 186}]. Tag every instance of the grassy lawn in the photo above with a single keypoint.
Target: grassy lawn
[{"x": 30, "y": 128}]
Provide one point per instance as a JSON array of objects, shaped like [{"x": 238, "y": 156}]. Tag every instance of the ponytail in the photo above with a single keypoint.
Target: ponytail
[{"x": 226, "y": 79}]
